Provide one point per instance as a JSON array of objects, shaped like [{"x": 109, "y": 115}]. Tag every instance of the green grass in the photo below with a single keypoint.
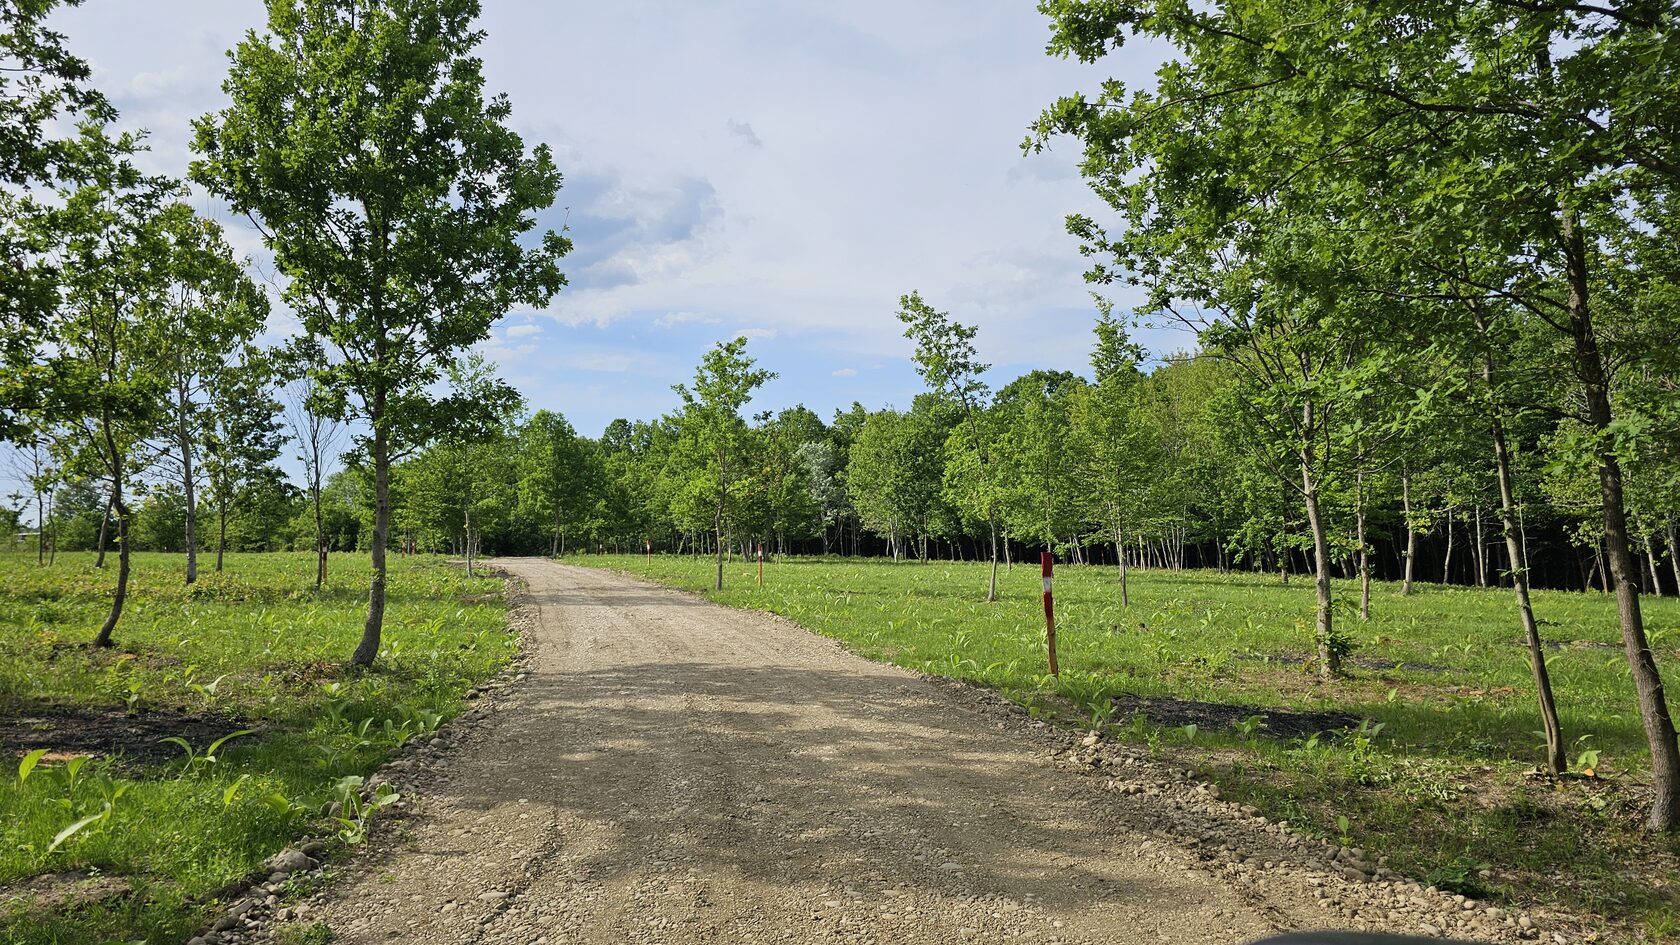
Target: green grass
[
  {"x": 1445, "y": 788},
  {"x": 254, "y": 647}
]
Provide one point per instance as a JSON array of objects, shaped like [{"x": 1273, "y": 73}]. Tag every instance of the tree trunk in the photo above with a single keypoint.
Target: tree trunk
[
  {"x": 368, "y": 648},
  {"x": 991, "y": 586},
  {"x": 320, "y": 529},
  {"x": 1446, "y": 565},
  {"x": 1120, "y": 556},
  {"x": 1651, "y": 559},
  {"x": 103, "y": 638},
  {"x": 466, "y": 518},
  {"x": 1509, "y": 525},
  {"x": 104, "y": 523},
  {"x": 1674, "y": 554},
  {"x": 1595, "y": 383},
  {"x": 1481, "y": 550},
  {"x": 1364, "y": 550},
  {"x": 717, "y": 530},
  {"x": 1411, "y": 533},
  {"x": 188, "y": 486},
  {"x": 1329, "y": 657},
  {"x": 221, "y": 532}
]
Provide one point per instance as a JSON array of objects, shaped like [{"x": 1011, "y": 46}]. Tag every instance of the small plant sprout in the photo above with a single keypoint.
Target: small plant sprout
[
  {"x": 197, "y": 761},
  {"x": 26, "y": 767},
  {"x": 77, "y": 827},
  {"x": 1189, "y": 731},
  {"x": 1344, "y": 830},
  {"x": 207, "y": 691},
  {"x": 356, "y": 808},
  {"x": 1586, "y": 757},
  {"x": 1251, "y": 726},
  {"x": 232, "y": 791}
]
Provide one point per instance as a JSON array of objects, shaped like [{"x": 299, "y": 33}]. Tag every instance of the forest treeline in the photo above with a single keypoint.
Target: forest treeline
[{"x": 1428, "y": 250}]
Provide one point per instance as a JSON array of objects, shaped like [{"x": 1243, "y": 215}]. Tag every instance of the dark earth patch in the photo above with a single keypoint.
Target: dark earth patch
[
  {"x": 56, "y": 892},
  {"x": 72, "y": 730},
  {"x": 1363, "y": 662},
  {"x": 1279, "y": 723}
]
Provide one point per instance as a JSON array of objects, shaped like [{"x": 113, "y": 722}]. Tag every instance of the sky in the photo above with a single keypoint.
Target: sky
[{"x": 780, "y": 170}]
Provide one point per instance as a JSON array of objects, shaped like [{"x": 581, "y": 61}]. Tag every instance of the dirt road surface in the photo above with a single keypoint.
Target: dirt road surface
[{"x": 671, "y": 771}]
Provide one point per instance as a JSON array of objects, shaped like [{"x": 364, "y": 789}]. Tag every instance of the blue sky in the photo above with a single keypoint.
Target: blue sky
[{"x": 780, "y": 170}]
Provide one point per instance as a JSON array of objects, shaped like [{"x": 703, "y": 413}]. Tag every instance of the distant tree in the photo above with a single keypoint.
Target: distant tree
[
  {"x": 1112, "y": 445},
  {"x": 210, "y": 309},
  {"x": 946, "y": 360},
  {"x": 714, "y": 435},
  {"x": 555, "y": 476},
  {"x": 1040, "y": 479},
  {"x": 894, "y": 476},
  {"x": 312, "y": 412},
  {"x": 396, "y": 200},
  {"x": 242, "y": 440},
  {"x": 820, "y": 460}
]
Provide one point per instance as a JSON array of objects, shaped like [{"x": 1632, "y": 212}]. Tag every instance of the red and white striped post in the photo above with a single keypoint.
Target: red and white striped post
[
  {"x": 648, "y": 544},
  {"x": 761, "y": 564},
  {"x": 1047, "y": 562}
]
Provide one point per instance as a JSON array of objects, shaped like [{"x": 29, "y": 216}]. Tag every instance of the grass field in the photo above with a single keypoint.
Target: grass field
[
  {"x": 1207, "y": 668},
  {"x": 255, "y": 649}
]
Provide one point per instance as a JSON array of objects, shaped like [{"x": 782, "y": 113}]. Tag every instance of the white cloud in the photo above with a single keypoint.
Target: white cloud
[
  {"x": 846, "y": 372},
  {"x": 745, "y": 132},
  {"x": 673, "y": 319},
  {"x": 755, "y": 334},
  {"x": 791, "y": 167}
]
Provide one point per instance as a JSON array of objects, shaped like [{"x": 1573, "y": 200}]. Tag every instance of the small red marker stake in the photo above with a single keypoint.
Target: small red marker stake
[
  {"x": 761, "y": 564},
  {"x": 1047, "y": 563},
  {"x": 649, "y": 545}
]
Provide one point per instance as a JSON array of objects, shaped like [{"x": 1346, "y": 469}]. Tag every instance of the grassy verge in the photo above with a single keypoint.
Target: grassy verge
[
  {"x": 1430, "y": 743},
  {"x": 254, "y": 649}
]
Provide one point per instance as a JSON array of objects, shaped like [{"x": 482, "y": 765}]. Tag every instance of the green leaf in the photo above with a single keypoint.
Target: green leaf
[
  {"x": 78, "y": 827},
  {"x": 27, "y": 765}
]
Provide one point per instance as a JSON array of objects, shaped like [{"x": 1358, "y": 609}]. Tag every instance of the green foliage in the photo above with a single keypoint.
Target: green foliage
[
  {"x": 190, "y": 825},
  {"x": 408, "y": 235}
]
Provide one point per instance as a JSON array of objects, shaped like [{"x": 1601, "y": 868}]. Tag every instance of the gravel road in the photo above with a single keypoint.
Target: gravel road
[{"x": 671, "y": 771}]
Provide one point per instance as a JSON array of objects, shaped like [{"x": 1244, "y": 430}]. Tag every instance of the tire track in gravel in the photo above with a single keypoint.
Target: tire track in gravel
[{"x": 671, "y": 771}]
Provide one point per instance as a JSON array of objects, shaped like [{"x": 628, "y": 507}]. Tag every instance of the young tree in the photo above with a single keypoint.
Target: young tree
[
  {"x": 311, "y": 414},
  {"x": 105, "y": 377},
  {"x": 210, "y": 310},
  {"x": 555, "y": 475},
  {"x": 395, "y": 198},
  {"x": 1111, "y": 440},
  {"x": 946, "y": 360},
  {"x": 242, "y": 439},
  {"x": 43, "y": 89},
  {"x": 713, "y": 432}
]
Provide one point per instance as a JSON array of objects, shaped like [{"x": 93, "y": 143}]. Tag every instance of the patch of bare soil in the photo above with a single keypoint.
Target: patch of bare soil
[
  {"x": 1279, "y": 723},
  {"x": 60, "y": 892},
  {"x": 1376, "y": 664},
  {"x": 138, "y": 738}
]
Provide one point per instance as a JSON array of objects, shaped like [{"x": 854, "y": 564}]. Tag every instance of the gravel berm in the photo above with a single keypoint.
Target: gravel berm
[{"x": 671, "y": 771}]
